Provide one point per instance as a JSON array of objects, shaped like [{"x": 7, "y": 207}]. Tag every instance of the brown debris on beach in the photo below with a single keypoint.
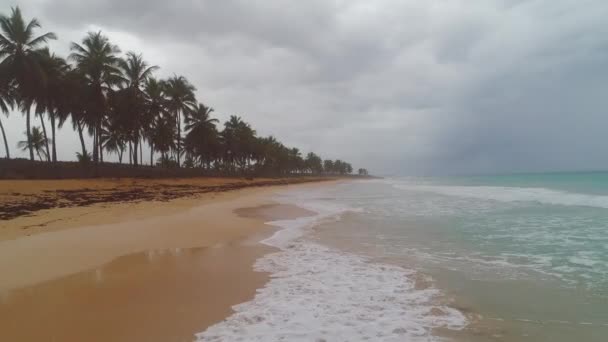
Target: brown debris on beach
[{"x": 25, "y": 197}]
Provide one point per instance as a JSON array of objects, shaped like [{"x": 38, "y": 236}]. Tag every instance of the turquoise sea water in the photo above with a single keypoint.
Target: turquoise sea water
[{"x": 526, "y": 255}]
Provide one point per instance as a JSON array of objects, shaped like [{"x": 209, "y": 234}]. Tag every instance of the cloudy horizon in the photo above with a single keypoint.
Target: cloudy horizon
[{"x": 398, "y": 87}]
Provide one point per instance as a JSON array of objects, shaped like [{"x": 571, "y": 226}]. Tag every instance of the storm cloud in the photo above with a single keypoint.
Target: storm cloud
[{"x": 397, "y": 86}]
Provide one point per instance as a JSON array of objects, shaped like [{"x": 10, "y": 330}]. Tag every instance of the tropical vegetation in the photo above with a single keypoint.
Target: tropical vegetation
[{"x": 116, "y": 100}]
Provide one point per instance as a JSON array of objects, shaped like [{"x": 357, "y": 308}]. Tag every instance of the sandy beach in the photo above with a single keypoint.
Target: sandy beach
[{"x": 159, "y": 269}]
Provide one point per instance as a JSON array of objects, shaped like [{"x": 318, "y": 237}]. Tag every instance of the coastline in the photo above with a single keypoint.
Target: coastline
[{"x": 109, "y": 267}]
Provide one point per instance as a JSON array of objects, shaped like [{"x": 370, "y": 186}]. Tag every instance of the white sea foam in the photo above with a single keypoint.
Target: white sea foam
[
  {"x": 510, "y": 194},
  {"x": 320, "y": 294}
]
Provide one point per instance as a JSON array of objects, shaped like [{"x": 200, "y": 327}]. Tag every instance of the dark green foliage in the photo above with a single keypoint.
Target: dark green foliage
[{"x": 84, "y": 158}]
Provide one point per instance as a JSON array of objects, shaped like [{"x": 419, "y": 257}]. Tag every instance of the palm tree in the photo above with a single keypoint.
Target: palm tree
[
  {"x": 135, "y": 73},
  {"x": 328, "y": 166},
  {"x": 296, "y": 163},
  {"x": 239, "y": 140},
  {"x": 113, "y": 140},
  {"x": 198, "y": 119},
  {"x": 6, "y": 103},
  {"x": 18, "y": 47},
  {"x": 74, "y": 106},
  {"x": 135, "y": 70},
  {"x": 313, "y": 163},
  {"x": 36, "y": 142},
  {"x": 164, "y": 135},
  {"x": 155, "y": 103},
  {"x": 201, "y": 136},
  {"x": 51, "y": 99},
  {"x": 96, "y": 59},
  {"x": 180, "y": 94}
]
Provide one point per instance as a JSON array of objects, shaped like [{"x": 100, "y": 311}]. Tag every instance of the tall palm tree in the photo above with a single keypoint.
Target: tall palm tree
[
  {"x": 201, "y": 136},
  {"x": 164, "y": 135},
  {"x": 6, "y": 103},
  {"x": 135, "y": 73},
  {"x": 36, "y": 142},
  {"x": 239, "y": 139},
  {"x": 18, "y": 47},
  {"x": 74, "y": 107},
  {"x": 180, "y": 94},
  {"x": 156, "y": 102},
  {"x": 231, "y": 143},
  {"x": 51, "y": 99},
  {"x": 97, "y": 60}
]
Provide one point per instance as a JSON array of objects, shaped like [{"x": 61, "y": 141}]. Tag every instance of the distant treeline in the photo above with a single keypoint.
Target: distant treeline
[
  {"x": 116, "y": 100},
  {"x": 26, "y": 169}
]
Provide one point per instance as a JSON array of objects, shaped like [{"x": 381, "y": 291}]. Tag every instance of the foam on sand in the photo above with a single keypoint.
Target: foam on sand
[{"x": 320, "y": 294}]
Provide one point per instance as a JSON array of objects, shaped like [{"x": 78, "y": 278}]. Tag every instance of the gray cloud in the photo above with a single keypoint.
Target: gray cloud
[{"x": 396, "y": 86}]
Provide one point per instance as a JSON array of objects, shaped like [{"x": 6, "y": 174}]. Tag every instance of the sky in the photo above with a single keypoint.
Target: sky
[{"x": 396, "y": 86}]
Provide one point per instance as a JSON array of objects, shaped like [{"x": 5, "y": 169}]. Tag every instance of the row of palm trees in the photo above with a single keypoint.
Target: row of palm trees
[{"x": 119, "y": 103}]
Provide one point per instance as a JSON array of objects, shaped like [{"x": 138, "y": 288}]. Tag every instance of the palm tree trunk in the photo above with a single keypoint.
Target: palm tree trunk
[
  {"x": 135, "y": 152},
  {"x": 38, "y": 153},
  {"x": 46, "y": 138},
  {"x": 141, "y": 151},
  {"x": 179, "y": 138},
  {"x": 100, "y": 144},
  {"x": 130, "y": 154},
  {"x": 95, "y": 149},
  {"x": 54, "y": 147},
  {"x": 84, "y": 147},
  {"x": 120, "y": 155},
  {"x": 28, "y": 133},
  {"x": 8, "y": 155},
  {"x": 151, "y": 154}
]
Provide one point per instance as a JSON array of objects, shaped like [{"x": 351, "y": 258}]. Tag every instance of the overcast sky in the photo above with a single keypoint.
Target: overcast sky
[{"x": 397, "y": 86}]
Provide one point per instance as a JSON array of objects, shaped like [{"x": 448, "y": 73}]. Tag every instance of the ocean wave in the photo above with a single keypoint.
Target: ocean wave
[
  {"x": 321, "y": 294},
  {"x": 510, "y": 194}
]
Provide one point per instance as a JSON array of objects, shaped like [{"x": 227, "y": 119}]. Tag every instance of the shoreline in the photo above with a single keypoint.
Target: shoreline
[{"x": 104, "y": 252}]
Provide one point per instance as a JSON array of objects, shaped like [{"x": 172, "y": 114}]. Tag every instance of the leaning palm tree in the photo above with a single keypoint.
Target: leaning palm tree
[
  {"x": 18, "y": 46},
  {"x": 97, "y": 60},
  {"x": 180, "y": 94},
  {"x": 6, "y": 103},
  {"x": 36, "y": 142}
]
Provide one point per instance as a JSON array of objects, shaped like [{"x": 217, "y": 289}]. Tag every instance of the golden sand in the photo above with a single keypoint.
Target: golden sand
[{"x": 147, "y": 271}]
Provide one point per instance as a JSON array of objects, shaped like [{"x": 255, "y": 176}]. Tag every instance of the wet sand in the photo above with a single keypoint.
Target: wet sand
[
  {"x": 148, "y": 271},
  {"x": 162, "y": 295}
]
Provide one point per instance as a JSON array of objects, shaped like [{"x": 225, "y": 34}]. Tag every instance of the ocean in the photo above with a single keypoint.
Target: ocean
[{"x": 488, "y": 258}]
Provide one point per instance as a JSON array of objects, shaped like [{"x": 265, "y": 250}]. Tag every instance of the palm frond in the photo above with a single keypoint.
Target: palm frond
[{"x": 42, "y": 39}]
